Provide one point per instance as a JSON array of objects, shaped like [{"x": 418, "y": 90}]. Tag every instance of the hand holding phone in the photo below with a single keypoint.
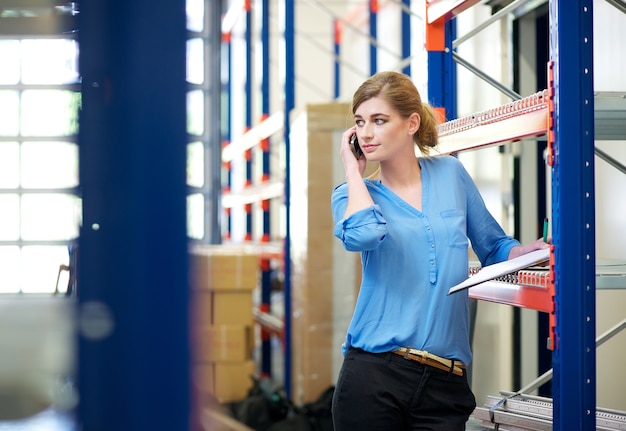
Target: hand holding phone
[{"x": 356, "y": 148}]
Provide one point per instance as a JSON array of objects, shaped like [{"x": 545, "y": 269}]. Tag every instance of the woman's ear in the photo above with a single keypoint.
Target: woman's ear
[{"x": 414, "y": 123}]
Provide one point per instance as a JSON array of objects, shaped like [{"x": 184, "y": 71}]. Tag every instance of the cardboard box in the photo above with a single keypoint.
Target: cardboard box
[
  {"x": 227, "y": 268},
  {"x": 222, "y": 307},
  {"x": 324, "y": 275},
  {"x": 201, "y": 307},
  {"x": 225, "y": 381},
  {"x": 223, "y": 343},
  {"x": 232, "y": 308}
]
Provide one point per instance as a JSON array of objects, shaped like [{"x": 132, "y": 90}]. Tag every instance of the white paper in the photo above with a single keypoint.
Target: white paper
[{"x": 490, "y": 272}]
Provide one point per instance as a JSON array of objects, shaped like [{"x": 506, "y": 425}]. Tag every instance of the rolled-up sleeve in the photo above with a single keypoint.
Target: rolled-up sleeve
[{"x": 363, "y": 230}]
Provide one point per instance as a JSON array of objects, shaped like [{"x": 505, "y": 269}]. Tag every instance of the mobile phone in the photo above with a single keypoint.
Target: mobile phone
[{"x": 356, "y": 148}]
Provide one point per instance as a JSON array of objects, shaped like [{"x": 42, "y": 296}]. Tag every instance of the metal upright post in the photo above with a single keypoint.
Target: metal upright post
[
  {"x": 227, "y": 134},
  {"x": 337, "y": 62},
  {"x": 442, "y": 86},
  {"x": 573, "y": 215},
  {"x": 406, "y": 35},
  {"x": 289, "y": 85},
  {"x": 266, "y": 270},
  {"x": 248, "y": 114},
  {"x": 373, "y": 36},
  {"x": 133, "y": 325},
  {"x": 212, "y": 158}
]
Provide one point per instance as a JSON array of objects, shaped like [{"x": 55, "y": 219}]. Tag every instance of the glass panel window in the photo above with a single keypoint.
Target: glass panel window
[
  {"x": 49, "y": 113},
  {"x": 9, "y": 217},
  {"x": 195, "y": 61},
  {"x": 10, "y": 55},
  {"x": 195, "y": 15},
  {"x": 9, "y": 165},
  {"x": 10, "y": 269},
  {"x": 195, "y": 112},
  {"x": 29, "y": 165},
  {"x": 195, "y": 164},
  {"x": 50, "y": 216},
  {"x": 195, "y": 216},
  {"x": 49, "y": 165},
  {"x": 9, "y": 112},
  {"x": 59, "y": 55},
  {"x": 40, "y": 267}
]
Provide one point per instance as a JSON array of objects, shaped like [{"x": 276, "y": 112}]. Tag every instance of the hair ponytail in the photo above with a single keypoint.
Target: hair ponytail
[{"x": 427, "y": 136}]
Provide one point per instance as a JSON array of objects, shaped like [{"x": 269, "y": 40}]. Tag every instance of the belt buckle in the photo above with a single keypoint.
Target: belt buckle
[{"x": 407, "y": 352}]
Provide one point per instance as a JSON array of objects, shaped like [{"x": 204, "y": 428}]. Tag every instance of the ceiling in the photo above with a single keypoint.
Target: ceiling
[{"x": 37, "y": 18}]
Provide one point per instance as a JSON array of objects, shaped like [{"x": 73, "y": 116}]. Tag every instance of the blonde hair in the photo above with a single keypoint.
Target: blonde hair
[{"x": 399, "y": 91}]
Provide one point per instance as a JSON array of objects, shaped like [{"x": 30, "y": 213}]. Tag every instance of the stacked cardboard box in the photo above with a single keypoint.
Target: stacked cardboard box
[
  {"x": 223, "y": 281},
  {"x": 325, "y": 277}
]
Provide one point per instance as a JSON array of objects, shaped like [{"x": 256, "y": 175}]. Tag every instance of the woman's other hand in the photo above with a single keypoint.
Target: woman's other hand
[{"x": 535, "y": 245}]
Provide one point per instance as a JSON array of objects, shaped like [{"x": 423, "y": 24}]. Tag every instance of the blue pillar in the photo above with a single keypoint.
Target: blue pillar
[
  {"x": 133, "y": 337},
  {"x": 573, "y": 215}
]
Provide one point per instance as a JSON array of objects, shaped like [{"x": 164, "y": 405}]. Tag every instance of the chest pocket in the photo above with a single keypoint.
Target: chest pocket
[{"x": 455, "y": 225}]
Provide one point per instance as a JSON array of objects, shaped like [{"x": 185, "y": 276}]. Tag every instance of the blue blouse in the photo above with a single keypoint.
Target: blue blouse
[{"x": 411, "y": 258}]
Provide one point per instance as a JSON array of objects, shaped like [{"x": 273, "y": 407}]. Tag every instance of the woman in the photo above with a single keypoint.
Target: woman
[{"x": 407, "y": 346}]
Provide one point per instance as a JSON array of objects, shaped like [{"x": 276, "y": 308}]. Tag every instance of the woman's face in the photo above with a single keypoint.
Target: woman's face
[{"x": 382, "y": 132}]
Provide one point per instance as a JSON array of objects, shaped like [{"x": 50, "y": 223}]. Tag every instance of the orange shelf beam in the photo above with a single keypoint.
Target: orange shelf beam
[
  {"x": 446, "y": 9},
  {"x": 529, "y": 288},
  {"x": 522, "y": 119},
  {"x": 517, "y": 295}
]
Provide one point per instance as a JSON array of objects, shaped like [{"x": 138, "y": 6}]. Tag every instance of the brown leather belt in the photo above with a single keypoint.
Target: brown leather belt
[{"x": 431, "y": 360}]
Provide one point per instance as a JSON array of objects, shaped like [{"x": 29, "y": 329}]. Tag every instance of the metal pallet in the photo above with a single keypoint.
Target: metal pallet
[
  {"x": 516, "y": 411},
  {"x": 520, "y": 412}
]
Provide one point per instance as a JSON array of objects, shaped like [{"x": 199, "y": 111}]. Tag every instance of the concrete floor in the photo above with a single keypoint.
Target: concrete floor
[
  {"x": 50, "y": 358},
  {"x": 51, "y": 420},
  {"x": 48, "y": 420},
  {"x": 475, "y": 425}
]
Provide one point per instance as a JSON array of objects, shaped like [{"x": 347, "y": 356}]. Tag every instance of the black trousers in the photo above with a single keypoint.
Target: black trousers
[{"x": 384, "y": 391}]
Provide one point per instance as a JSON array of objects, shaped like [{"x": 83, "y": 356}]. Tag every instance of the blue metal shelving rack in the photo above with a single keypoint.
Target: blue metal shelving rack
[
  {"x": 573, "y": 194},
  {"x": 573, "y": 200}
]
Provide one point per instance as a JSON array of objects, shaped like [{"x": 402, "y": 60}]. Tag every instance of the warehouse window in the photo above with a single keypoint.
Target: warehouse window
[
  {"x": 40, "y": 206},
  {"x": 198, "y": 111},
  {"x": 39, "y": 202}
]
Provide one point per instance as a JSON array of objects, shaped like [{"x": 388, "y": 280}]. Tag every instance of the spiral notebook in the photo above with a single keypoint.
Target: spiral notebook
[{"x": 496, "y": 270}]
